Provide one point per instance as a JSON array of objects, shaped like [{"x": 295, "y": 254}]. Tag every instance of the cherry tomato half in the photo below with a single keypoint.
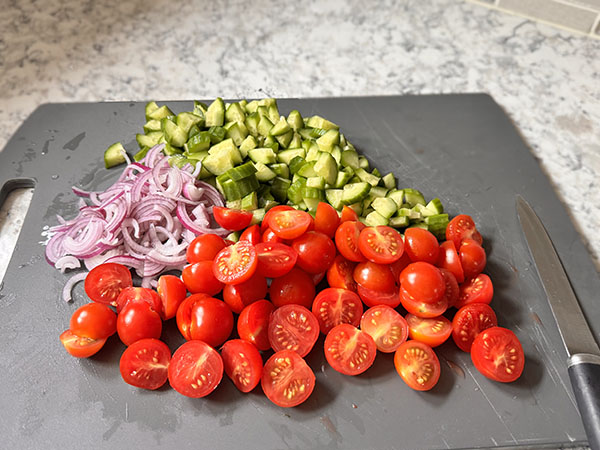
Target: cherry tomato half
[
  {"x": 497, "y": 353},
  {"x": 295, "y": 287},
  {"x": 421, "y": 245},
  {"x": 265, "y": 222},
  {"x": 243, "y": 364},
  {"x": 251, "y": 234},
  {"x": 293, "y": 327},
  {"x": 105, "y": 282},
  {"x": 422, "y": 309},
  {"x": 138, "y": 321},
  {"x": 423, "y": 281},
  {"x": 346, "y": 240},
  {"x": 290, "y": 224},
  {"x": 172, "y": 292},
  {"x": 348, "y": 215},
  {"x": 253, "y": 324},
  {"x": 287, "y": 380},
  {"x": 432, "y": 331},
  {"x": 448, "y": 259},
  {"x": 315, "y": 250},
  {"x": 232, "y": 219},
  {"x": 199, "y": 278},
  {"x": 204, "y": 248},
  {"x": 418, "y": 365},
  {"x": 386, "y": 326},
  {"x": 469, "y": 321},
  {"x": 472, "y": 258},
  {"x": 462, "y": 227},
  {"x": 275, "y": 259},
  {"x": 334, "y": 306},
  {"x": 236, "y": 263},
  {"x": 139, "y": 295},
  {"x": 238, "y": 296},
  {"x": 475, "y": 290},
  {"x": 145, "y": 364},
  {"x": 93, "y": 321},
  {"x": 381, "y": 244},
  {"x": 196, "y": 369},
  {"x": 80, "y": 347},
  {"x": 377, "y": 277},
  {"x": 349, "y": 350},
  {"x": 371, "y": 297},
  {"x": 204, "y": 318},
  {"x": 340, "y": 274},
  {"x": 327, "y": 219},
  {"x": 452, "y": 291}
]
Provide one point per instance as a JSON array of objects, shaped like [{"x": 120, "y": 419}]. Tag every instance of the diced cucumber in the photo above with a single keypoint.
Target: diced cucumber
[
  {"x": 257, "y": 216},
  {"x": 311, "y": 133},
  {"x": 329, "y": 140},
  {"x": 385, "y": 206},
  {"x": 326, "y": 167},
  {"x": 279, "y": 189},
  {"x": 271, "y": 142},
  {"x": 263, "y": 173},
  {"x": 296, "y": 164},
  {"x": 389, "y": 181},
  {"x": 313, "y": 152},
  {"x": 337, "y": 154},
  {"x": 294, "y": 191},
  {"x": 235, "y": 113},
  {"x": 174, "y": 134},
  {"x": 250, "y": 202},
  {"x": 366, "y": 176},
  {"x": 215, "y": 114},
  {"x": 295, "y": 120},
  {"x": 148, "y": 140},
  {"x": 194, "y": 130},
  {"x": 141, "y": 154},
  {"x": 273, "y": 112},
  {"x": 398, "y": 222},
  {"x": 218, "y": 164},
  {"x": 307, "y": 169},
  {"x": 199, "y": 142},
  {"x": 342, "y": 178},
  {"x": 397, "y": 196},
  {"x": 296, "y": 141},
  {"x": 251, "y": 106},
  {"x": 252, "y": 123},
  {"x": 200, "y": 109},
  {"x": 437, "y": 224},
  {"x": 281, "y": 127},
  {"x": 408, "y": 212},
  {"x": 285, "y": 139},
  {"x": 238, "y": 132},
  {"x": 150, "y": 108},
  {"x": 234, "y": 236},
  {"x": 414, "y": 197},
  {"x": 376, "y": 172},
  {"x": 355, "y": 192},
  {"x": 171, "y": 150},
  {"x": 152, "y": 125},
  {"x": 217, "y": 134},
  {"x": 234, "y": 204},
  {"x": 285, "y": 156},
  {"x": 363, "y": 163},
  {"x": 374, "y": 219},
  {"x": 187, "y": 120},
  {"x": 356, "y": 207},
  {"x": 264, "y": 126},
  {"x": 316, "y": 182},
  {"x": 433, "y": 207},
  {"x": 159, "y": 113},
  {"x": 350, "y": 159},
  {"x": 242, "y": 171},
  {"x": 378, "y": 191},
  {"x": 198, "y": 156},
  {"x": 114, "y": 155},
  {"x": 334, "y": 197},
  {"x": 227, "y": 147},
  {"x": 282, "y": 170},
  {"x": 320, "y": 122},
  {"x": 248, "y": 144},
  {"x": 264, "y": 155}
]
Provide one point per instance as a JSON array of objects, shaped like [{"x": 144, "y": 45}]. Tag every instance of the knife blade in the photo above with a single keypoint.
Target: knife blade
[{"x": 583, "y": 361}]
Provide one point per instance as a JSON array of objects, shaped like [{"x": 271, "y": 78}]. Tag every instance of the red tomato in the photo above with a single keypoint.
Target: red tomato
[
  {"x": 243, "y": 364},
  {"x": 423, "y": 281},
  {"x": 469, "y": 321},
  {"x": 93, "y": 321},
  {"x": 334, "y": 306},
  {"x": 80, "y": 347},
  {"x": 295, "y": 287},
  {"x": 172, "y": 292},
  {"x": 265, "y": 222},
  {"x": 104, "y": 282},
  {"x": 421, "y": 245},
  {"x": 236, "y": 263},
  {"x": 251, "y": 234},
  {"x": 275, "y": 259},
  {"x": 472, "y": 258},
  {"x": 349, "y": 350},
  {"x": 451, "y": 292},
  {"x": 293, "y": 327},
  {"x": 318, "y": 277},
  {"x": 448, "y": 259},
  {"x": 381, "y": 244},
  {"x": 204, "y": 318},
  {"x": 497, "y": 353},
  {"x": 340, "y": 274},
  {"x": 398, "y": 266},
  {"x": 145, "y": 364},
  {"x": 199, "y": 279},
  {"x": 386, "y": 326},
  {"x": 269, "y": 236},
  {"x": 348, "y": 215},
  {"x": 377, "y": 277},
  {"x": 475, "y": 290},
  {"x": 286, "y": 379},
  {"x": 433, "y": 331},
  {"x": 139, "y": 295},
  {"x": 290, "y": 224},
  {"x": 462, "y": 227},
  {"x": 422, "y": 309},
  {"x": 232, "y": 219},
  {"x": 238, "y": 296},
  {"x": 204, "y": 248},
  {"x": 196, "y": 369},
  {"x": 315, "y": 250},
  {"x": 138, "y": 321},
  {"x": 371, "y": 297},
  {"x": 418, "y": 365},
  {"x": 326, "y": 219},
  {"x": 346, "y": 240},
  {"x": 253, "y": 324}
]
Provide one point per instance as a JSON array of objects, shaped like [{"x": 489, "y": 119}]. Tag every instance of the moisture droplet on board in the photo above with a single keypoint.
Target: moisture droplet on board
[{"x": 54, "y": 177}]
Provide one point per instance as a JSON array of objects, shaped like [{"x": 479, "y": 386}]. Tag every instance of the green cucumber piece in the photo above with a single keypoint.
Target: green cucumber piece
[
  {"x": 389, "y": 181},
  {"x": 271, "y": 143},
  {"x": 235, "y": 113},
  {"x": 238, "y": 132},
  {"x": 114, "y": 155},
  {"x": 334, "y": 197},
  {"x": 294, "y": 191},
  {"x": 326, "y": 167},
  {"x": 218, "y": 163},
  {"x": 263, "y": 173},
  {"x": 285, "y": 156},
  {"x": 313, "y": 152},
  {"x": 385, "y": 206},
  {"x": 159, "y": 113},
  {"x": 186, "y": 120},
  {"x": 248, "y": 144},
  {"x": 378, "y": 191},
  {"x": 281, "y": 127},
  {"x": 174, "y": 134},
  {"x": 363, "y": 163},
  {"x": 199, "y": 142},
  {"x": 350, "y": 159},
  {"x": 150, "y": 108},
  {"x": 194, "y": 130},
  {"x": 215, "y": 114},
  {"x": 152, "y": 125},
  {"x": 280, "y": 188},
  {"x": 316, "y": 182},
  {"x": 376, "y": 172},
  {"x": 148, "y": 140},
  {"x": 337, "y": 154},
  {"x": 282, "y": 170},
  {"x": 296, "y": 164},
  {"x": 284, "y": 140},
  {"x": 355, "y": 192},
  {"x": 296, "y": 141},
  {"x": 342, "y": 179},
  {"x": 311, "y": 133},
  {"x": 412, "y": 214},
  {"x": 413, "y": 197},
  {"x": 242, "y": 171},
  {"x": 307, "y": 169},
  {"x": 320, "y": 122},
  {"x": 295, "y": 120},
  {"x": 251, "y": 106},
  {"x": 235, "y": 235},
  {"x": 171, "y": 150},
  {"x": 366, "y": 176},
  {"x": 264, "y": 126},
  {"x": 273, "y": 112},
  {"x": 397, "y": 196},
  {"x": 258, "y": 215},
  {"x": 252, "y": 123},
  {"x": 234, "y": 204},
  {"x": 141, "y": 154},
  {"x": 398, "y": 222},
  {"x": 217, "y": 134},
  {"x": 374, "y": 219},
  {"x": 250, "y": 202},
  {"x": 264, "y": 155},
  {"x": 227, "y": 147},
  {"x": 200, "y": 109},
  {"x": 330, "y": 139}
]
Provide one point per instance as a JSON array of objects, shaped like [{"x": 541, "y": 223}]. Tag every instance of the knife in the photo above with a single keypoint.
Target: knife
[{"x": 583, "y": 361}]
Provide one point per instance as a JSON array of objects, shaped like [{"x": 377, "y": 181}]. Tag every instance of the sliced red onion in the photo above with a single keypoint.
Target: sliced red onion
[
  {"x": 68, "y": 288},
  {"x": 67, "y": 262}
]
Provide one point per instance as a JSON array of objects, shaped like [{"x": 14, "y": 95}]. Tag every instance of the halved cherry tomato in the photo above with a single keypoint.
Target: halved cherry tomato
[
  {"x": 290, "y": 224},
  {"x": 433, "y": 331},
  {"x": 251, "y": 234},
  {"x": 238, "y": 296},
  {"x": 287, "y": 380},
  {"x": 105, "y": 282},
  {"x": 423, "y": 281},
  {"x": 421, "y": 245},
  {"x": 318, "y": 277},
  {"x": 448, "y": 259},
  {"x": 346, "y": 240},
  {"x": 422, "y": 309},
  {"x": 196, "y": 369},
  {"x": 377, "y": 277},
  {"x": 295, "y": 287},
  {"x": 469, "y": 321},
  {"x": 204, "y": 248},
  {"x": 253, "y": 324},
  {"x": 236, "y": 263},
  {"x": 475, "y": 290},
  {"x": 172, "y": 292},
  {"x": 145, "y": 364},
  {"x": 275, "y": 259},
  {"x": 418, "y": 365},
  {"x": 138, "y": 321},
  {"x": 243, "y": 364},
  {"x": 348, "y": 215},
  {"x": 265, "y": 222},
  {"x": 340, "y": 274},
  {"x": 462, "y": 227},
  {"x": 386, "y": 326},
  {"x": 452, "y": 291},
  {"x": 398, "y": 266},
  {"x": 199, "y": 278},
  {"x": 349, "y": 350},
  {"x": 334, "y": 306},
  {"x": 371, "y": 297},
  {"x": 269, "y": 236},
  {"x": 80, "y": 347},
  {"x": 204, "y": 318},
  {"x": 139, "y": 295},
  {"x": 327, "y": 219},
  {"x": 232, "y": 219},
  {"x": 315, "y": 250},
  {"x": 472, "y": 258},
  {"x": 497, "y": 353},
  {"x": 293, "y": 327},
  {"x": 94, "y": 321},
  {"x": 381, "y": 244}
]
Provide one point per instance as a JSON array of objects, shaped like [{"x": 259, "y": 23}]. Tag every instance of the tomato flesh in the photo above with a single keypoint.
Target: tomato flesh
[
  {"x": 243, "y": 364},
  {"x": 172, "y": 292},
  {"x": 386, "y": 326},
  {"x": 371, "y": 297},
  {"x": 253, "y": 324},
  {"x": 139, "y": 295},
  {"x": 293, "y": 327},
  {"x": 316, "y": 252},
  {"x": 341, "y": 274},
  {"x": 418, "y": 365},
  {"x": 452, "y": 290},
  {"x": 275, "y": 259},
  {"x": 232, "y": 219},
  {"x": 105, "y": 282},
  {"x": 236, "y": 263},
  {"x": 497, "y": 353},
  {"x": 145, "y": 364},
  {"x": 196, "y": 369},
  {"x": 349, "y": 350},
  {"x": 80, "y": 347},
  {"x": 448, "y": 259},
  {"x": 94, "y": 321},
  {"x": 295, "y": 287},
  {"x": 469, "y": 321},
  {"x": 475, "y": 290},
  {"x": 334, "y": 306},
  {"x": 462, "y": 227},
  {"x": 290, "y": 224},
  {"x": 287, "y": 380},
  {"x": 346, "y": 240},
  {"x": 422, "y": 309},
  {"x": 432, "y": 331},
  {"x": 265, "y": 222},
  {"x": 204, "y": 318},
  {"x": 381, "y": 244}
]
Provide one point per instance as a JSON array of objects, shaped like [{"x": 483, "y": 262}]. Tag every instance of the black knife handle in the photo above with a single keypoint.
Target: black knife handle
[{"x": 584, "y": 371}]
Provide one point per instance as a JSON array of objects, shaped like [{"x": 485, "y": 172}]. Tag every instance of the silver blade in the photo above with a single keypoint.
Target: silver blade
[{"x": 573, "y": 328}]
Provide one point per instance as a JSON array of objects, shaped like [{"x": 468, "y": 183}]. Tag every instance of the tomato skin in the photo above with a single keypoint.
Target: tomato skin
[
  {"x": 293, "y": 327},
  {"x": 138, "y": 321},
  {"x": 422, "y": 309},
  {"x": 290, "y": 224},
  {"x": 475, "y": 290},
  {"x": 386, "y": 326},
  {"x": 398, "y": 266},
  {"x": 275, "y": 259},
  {"x": 334, "y": 306},
  {"x": 286, "y": 371},
  {"x": 295, "y": 287},
  {"x": 236, "y": 263},
  {"x": 269, "y": 236},
  {"x": 497, "y": 354},
  {"x": 452, "y": 290},
  {"x": 340, "y": 274},
  {"x": 172, "y": 292},
  {"x": 346, "y": 240},
  {"x": 381, "y": 244},
  {"x": 243, "y": 364},
  {"x": 423, "y": 281},
  {"x": 326, "y": 219},
  {"x": 377, "y": 277},
  {"x": 204, "y": 318},
  {"x": 265, "y": 222},
  {"x": 472, "y": 258},
  {"x": 462, "y": 227},
  {"x": 469, "y": 321},
  {"x": 253, "y": 324},
  {"x": 238, "y": 296},
  {"x": 349, "y": 350},
  {"x": 421, "y": 245},
  {"x": 318, "y": 277},
  {"x": 348, "y": 215},
  {"x": 199, "y": 279},
  {"x": 105, "y": 282},
  {"x": 432, "y": 331},
  {"x": 80, "y": 347},
  {"x": 372, "y": 297},
  {"x": 93, "y": 321},
  {"x": 315, "y": 250},
  {"x": 418, "y": 365},
  {"x": 251, "y": 234},
  {"x": 204, "y": 248},
  {"x": 139, "y": 295},
  {"x": 232, "y": 219},
  {"x": 145, "y": 364},
  {"x": 448, "y": 259},
  {"x": 189, "y": 363}
]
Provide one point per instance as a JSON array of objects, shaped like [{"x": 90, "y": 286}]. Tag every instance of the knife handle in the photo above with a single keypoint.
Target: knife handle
[{"x": 584, "y": 371}]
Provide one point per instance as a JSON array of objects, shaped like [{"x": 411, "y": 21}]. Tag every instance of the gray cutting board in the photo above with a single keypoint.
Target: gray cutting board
[{"x": 461, "y": 148}]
